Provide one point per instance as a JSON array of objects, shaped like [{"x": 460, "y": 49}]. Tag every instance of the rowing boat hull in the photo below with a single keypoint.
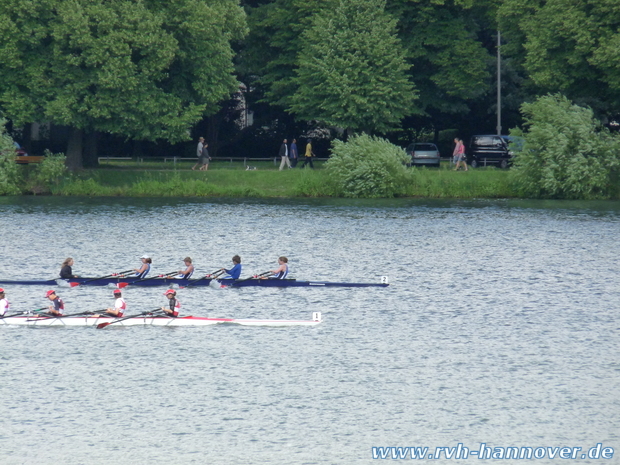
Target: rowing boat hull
[
  {"x": 154, "y": 321},
  {"x": 181, "y": 283}
]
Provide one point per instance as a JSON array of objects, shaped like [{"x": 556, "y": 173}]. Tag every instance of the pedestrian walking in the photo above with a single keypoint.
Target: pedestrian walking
[
  {"x": 201, "y": 141},
  {"x": 284, "y": 154}
]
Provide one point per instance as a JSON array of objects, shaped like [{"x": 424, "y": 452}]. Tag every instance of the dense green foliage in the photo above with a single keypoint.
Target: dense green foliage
[
  {"x": 367, "y": 166},
  {"x": 409, "y": 70},
  {"x": 142, "y": 69},
  {"x": 567, "y": 46},
  {"x": 351, "y": 69},
  {"x": 442, "y": 41},
  {"x": 566, "y": 153},
  {"x": 48, "y": 173},
  {"x": 273, "y": 43},
  {"x": 9, "y": 171}
]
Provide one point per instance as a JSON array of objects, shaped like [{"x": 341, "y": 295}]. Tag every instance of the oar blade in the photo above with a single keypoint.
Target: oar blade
[
  {"x": 103, "y": 325},
  {"x": 122, "y": 285}
]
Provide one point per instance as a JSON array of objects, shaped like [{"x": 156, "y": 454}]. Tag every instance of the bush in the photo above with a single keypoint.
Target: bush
[
  {"x": 10, "y": 177},
  {"x": 566, "y": 153},
  {"x": 48, "y": 173},
  {"x": 369, "y": 167}
]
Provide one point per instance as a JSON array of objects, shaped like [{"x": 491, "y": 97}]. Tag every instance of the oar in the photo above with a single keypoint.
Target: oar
[
  {"x": 167, "y": 275},
  {"x": 23, "y": 313},
  {"x": 256, "y": 276},
  {"x": 213, "y": 275},
  {"x": 65, "y": 316},
  {"x": 73, "y": 284},
  {"x": 149, "y": 312}
]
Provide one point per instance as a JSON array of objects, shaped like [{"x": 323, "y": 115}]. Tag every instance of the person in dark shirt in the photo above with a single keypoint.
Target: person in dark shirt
[
  {"x": 173, "y": 304},
  {"x": 66, "y": 272}
]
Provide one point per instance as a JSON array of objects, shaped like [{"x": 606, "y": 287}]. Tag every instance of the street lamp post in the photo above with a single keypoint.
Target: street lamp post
[{"x": 499, "y": 86}]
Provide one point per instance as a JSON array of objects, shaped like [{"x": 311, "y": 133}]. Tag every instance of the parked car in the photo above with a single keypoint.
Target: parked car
[
  {"x": 424, "y": 153},
  {"x": 19, "y": 151},
  {"x": 489, "y": 149}
]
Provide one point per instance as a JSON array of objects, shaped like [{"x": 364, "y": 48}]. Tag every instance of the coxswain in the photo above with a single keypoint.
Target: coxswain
[
  {"x": 145, "y": 268},
  {"x": 173, "y": 303},
  {"x": 282, "y": 271},
  {"x": 188, "y": 271},
  {"x": 235, "y": 271},
  {"x": 57, "y": 304},
  {"x": 4, "y": 304},
  {"x": 65, "y": 271},
  {"x": 119, "y": 305}
]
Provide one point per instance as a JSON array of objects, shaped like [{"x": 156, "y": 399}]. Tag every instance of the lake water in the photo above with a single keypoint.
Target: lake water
[{"x": 500, "y": 326}]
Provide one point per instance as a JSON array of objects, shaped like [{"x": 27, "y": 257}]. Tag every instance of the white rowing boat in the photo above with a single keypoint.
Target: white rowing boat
[{"x": 152, "y": 321}]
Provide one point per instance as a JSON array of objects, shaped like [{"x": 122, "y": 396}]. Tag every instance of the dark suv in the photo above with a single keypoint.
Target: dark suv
[{"x": 484, "y": 150}]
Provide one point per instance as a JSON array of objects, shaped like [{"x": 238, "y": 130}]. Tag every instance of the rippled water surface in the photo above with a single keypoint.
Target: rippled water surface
[{"x": 500, "y": 326}]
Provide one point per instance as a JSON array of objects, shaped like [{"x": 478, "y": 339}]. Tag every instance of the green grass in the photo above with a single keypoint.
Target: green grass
[{"x": 225, "y": 179}]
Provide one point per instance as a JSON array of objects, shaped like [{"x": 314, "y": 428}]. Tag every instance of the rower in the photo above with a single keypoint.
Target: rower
[
  {"x": 65, "y": 271},
  {"x": 282, "y": 271},
  {"x": 57, "y": 304},
  {"x": 173, "y": 303},
  {"x": 4, "y": 304},
  {"x": 145, "y": 268},
  {"x": 235, "y": 271},
  {"x": 119, "y": 305},
  {"x": 188, "y": 271}
]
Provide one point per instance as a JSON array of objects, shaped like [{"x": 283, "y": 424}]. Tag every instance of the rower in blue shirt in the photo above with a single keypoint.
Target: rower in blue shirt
[{"x": 235, "y": 271}]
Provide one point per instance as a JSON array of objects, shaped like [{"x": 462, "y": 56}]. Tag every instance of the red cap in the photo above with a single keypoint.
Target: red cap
[
  {"x": 117, "y": 291},
  {"x": 1, "y": 291},
  {"x": 169, "y": 291},
  {"x": 49, "y": 293}
]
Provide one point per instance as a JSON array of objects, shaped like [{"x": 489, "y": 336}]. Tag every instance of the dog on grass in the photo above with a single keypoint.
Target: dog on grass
[{"x": 250, "y": 168}]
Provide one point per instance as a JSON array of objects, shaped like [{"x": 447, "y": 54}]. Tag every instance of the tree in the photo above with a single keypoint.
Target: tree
[
  {"x": 441, "y": 39},
  {"x": 269, "y": 56},
  {"x": 566, "y": 152},
  {"x": 351, "y": 69},
  {"x": 141, "y": 69},
  {"x": 567, "y": 46},
  {"x": 9, "y": 170}
]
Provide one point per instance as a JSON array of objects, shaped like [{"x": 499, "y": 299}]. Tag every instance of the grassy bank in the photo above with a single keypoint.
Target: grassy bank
[{"x": 226, "y": 179}]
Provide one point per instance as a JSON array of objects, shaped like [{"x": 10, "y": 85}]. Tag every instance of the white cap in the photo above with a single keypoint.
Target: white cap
[{"x": 145, "y": 256}]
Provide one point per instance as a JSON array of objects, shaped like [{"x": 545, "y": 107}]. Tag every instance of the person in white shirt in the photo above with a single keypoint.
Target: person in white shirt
[
  {"x": 4, "y": 304},
  {"x": 119, "y": 305},
  {"x": 201, "y": 142},
  {"x": 284, "y": 154}
]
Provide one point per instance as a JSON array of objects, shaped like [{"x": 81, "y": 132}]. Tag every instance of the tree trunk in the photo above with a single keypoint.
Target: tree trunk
[
  {"x": 213, "y": 133},
  {"x": 75, "y": 149},
  {"x": 27, "y": 138},
  {"x": 137, "y": 150},
  {"x": 90, "y": 149}
]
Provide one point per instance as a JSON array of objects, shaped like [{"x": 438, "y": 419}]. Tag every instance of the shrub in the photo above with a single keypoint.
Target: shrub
[
  {"x": 367, "y": 166},
  {"x": 48, "y": 173},
  {"x": 566, "y": 153},
  {"x": 10, "y": 176}
]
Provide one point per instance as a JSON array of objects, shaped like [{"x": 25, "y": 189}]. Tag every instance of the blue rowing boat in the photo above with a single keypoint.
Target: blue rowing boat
[{"x": 182, "y": 283}]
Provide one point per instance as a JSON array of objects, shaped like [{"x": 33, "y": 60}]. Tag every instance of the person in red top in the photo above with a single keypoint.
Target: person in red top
[
  {"x": 57, "y": 306},
  {"x": 173, "y": 303}
]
